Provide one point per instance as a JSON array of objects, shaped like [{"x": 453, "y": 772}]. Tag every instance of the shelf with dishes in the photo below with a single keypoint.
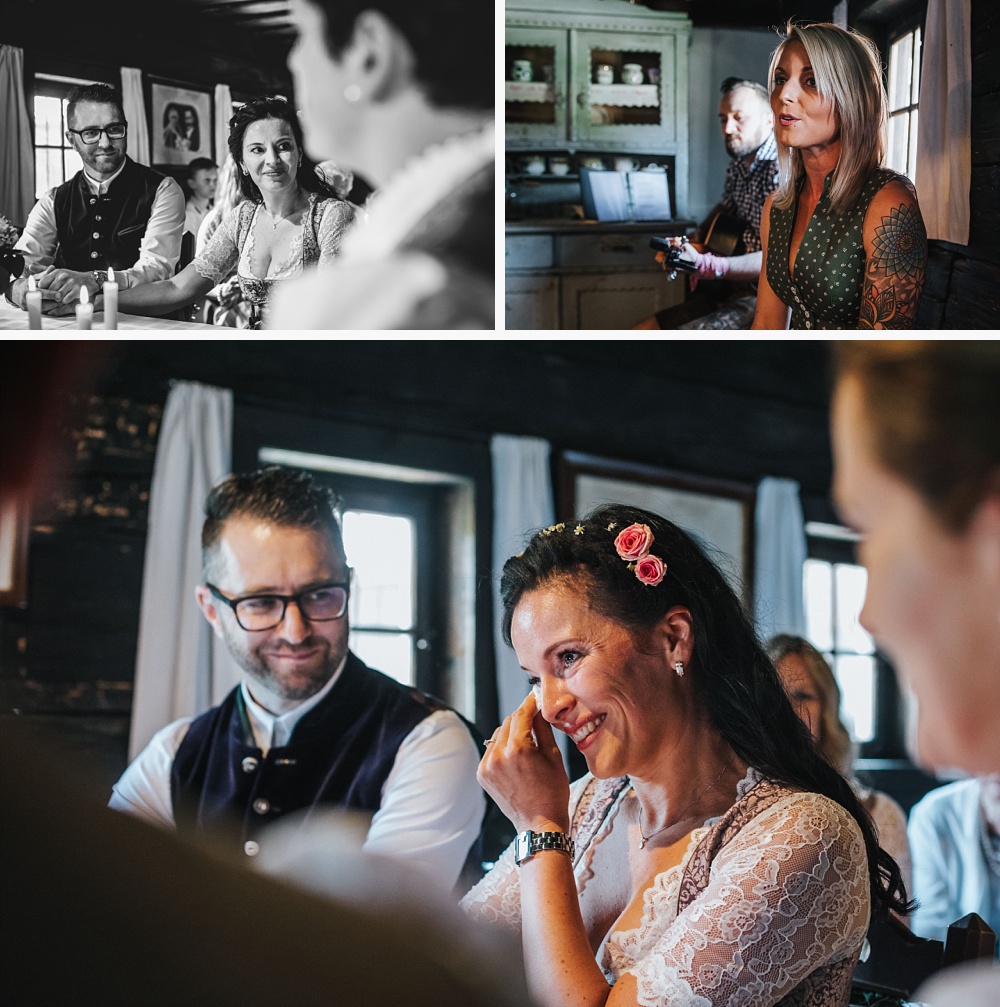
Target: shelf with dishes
[{"x": 534, "y": 91}]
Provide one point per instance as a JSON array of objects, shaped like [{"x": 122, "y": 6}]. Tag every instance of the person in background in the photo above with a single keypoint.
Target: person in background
[
  {"x": 203, "y": 177},
  {"x": 916, "y": 448},
  {"x": 190, "y": 134},
  {"x": 844, "y": 242},
  {"x": 955, "y": 839},
  {"x": 815, "y": 695},
  {"x": 287, "y": 220},
  {"x": 112, "y": 213},
  {"x": 711, "y": 855},
  {"x": 411, "y": 110},
  {"x": 725, "y": 287},
  {"x": 311, "y": 726}
]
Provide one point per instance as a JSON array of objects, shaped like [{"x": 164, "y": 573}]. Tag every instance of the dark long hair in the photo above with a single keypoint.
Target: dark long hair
[
  {"x": 272, "y": 108},
  {"x": 732, "y": 675}
]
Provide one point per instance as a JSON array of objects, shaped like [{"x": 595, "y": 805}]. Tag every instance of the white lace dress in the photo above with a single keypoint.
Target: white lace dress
[
  {"x": 770, "y": 903},
  {"x": 321, "y": 229}
]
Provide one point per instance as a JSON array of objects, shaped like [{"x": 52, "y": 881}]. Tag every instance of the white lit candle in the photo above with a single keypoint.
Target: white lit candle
[
  {"x": 34, "y": 302},
  {"x": 110, "y": 301},
  {"x": 84, "y": 310}
]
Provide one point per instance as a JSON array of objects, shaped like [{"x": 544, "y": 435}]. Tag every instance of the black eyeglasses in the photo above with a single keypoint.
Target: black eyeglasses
[
  {"x": 257, "y": 612},
  {"x": 93, "y": 133}
]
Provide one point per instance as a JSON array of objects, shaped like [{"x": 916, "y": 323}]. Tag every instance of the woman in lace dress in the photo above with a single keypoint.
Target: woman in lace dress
[
  {"x": 811, "y": 686},
  {"x": 288, "y": 220},
  {"x": 711, "y": 856},
  {"x": 916, "y": 447}
]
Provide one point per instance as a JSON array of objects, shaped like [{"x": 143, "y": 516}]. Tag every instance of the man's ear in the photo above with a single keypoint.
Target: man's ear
[
  {"x": 206, "y": 602},
  {"x": 378, "y": 58}
]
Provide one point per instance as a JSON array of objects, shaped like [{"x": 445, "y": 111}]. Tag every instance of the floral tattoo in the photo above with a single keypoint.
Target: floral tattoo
[{"x": 894, "y": 275}]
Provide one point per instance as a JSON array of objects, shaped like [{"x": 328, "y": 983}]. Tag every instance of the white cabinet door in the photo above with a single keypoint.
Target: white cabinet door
[
  {"x": 616, "y": 300},
  {"x": 531, "y": 302}
]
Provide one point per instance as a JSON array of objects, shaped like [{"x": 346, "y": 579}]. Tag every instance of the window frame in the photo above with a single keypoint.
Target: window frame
[{"x": 915, "y": 22}]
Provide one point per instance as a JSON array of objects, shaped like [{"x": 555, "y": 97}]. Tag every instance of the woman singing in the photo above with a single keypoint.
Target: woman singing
[
  {"x": 711, "y": 855},
  {"x": 844, "y": 242}
]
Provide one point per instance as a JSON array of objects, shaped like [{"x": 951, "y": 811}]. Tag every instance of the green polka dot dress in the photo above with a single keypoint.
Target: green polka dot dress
[{"x": 830, "y": 263}]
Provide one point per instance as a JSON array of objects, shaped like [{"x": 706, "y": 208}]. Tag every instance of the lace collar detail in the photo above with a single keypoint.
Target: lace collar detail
[{"x": 419, "y": 185}]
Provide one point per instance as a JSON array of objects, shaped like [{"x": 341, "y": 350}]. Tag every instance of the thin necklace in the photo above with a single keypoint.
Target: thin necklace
[
  {"x": 274, "y": 223},
  {"x": 645, "y": 839}
]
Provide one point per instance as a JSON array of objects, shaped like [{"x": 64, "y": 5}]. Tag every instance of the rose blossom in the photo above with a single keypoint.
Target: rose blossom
[
  {"x": 650, "y": 570},
  {"x": 634, "y": 542}
]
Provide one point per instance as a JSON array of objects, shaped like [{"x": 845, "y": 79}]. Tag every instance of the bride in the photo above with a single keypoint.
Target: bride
[{"x": 287, "y": 220}]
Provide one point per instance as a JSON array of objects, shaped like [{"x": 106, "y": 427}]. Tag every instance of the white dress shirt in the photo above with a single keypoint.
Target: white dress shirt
[
  {"x": 159, "y": 249},
  {"x": 432, "y": 805}
]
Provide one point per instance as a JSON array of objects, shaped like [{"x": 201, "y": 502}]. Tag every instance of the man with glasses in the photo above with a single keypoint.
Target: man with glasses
[
  {"x": 113, "y": 213},
  {"x": 310, "y": 726}
]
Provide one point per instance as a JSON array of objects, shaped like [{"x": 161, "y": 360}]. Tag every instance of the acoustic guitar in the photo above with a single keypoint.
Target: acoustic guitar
[{"x": 724, "y": 236}]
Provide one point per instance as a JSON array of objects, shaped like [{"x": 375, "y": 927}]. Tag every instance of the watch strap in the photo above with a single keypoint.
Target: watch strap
[{"x": 529, "y": 843}]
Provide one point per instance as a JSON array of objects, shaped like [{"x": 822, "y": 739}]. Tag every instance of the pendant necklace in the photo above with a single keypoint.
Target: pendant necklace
[{"x": 645, "y": 839}]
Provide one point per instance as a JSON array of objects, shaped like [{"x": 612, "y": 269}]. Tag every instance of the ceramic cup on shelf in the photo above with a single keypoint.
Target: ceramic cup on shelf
[
  {"x": 533, "y": 164},
  {"x": 559, "y": 165},
  {"x": 631, "y": 73},
  {"x": 593, "y": 163},
  {"x": 604, "y": 73},
  {"x": 521, "y": 70},
  {"x": 626, "y": 164},
  {"x": 653, "y": 74}
]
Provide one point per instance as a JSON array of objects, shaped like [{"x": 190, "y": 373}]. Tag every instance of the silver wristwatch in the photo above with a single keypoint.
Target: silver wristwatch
[{"x": 529, "y": 843}]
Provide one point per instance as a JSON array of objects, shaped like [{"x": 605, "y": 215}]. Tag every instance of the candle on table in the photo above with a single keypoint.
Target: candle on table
[
  {"x": 34, "y": 301},
  {"x": 110, "y": 301},
  {"x": 84, "y": 310}
]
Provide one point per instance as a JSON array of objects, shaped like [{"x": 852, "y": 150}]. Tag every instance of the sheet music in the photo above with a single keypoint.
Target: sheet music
[
  {"x": 609, "y": 195},
  {"x": 649, "y": 195}
]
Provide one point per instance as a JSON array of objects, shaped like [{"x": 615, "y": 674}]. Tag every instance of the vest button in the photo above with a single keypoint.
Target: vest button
[
  {"x": 92, "y": 201},
  {"x": 97, "y": 234},
  {"x": 262, "y": 805},
  {"x": 249, "y": 764},
  {"x": 250, "y": 848},
  {"x": 93, "y": 255},
  {"x": 97, "y": 217}
]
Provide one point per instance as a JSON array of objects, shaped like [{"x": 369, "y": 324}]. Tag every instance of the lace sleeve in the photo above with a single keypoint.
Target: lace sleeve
[
  {"x": 787, "y": 895},
  {"x": 220, "y": 256},
  {"x": 337, "y": 217}
]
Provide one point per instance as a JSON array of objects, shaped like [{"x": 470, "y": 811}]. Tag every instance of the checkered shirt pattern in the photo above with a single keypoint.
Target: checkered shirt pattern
[{"x": 747, "y": 188}]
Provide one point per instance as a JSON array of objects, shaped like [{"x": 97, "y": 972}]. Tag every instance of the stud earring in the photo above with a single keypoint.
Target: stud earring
[
  {"x": 679, "y": 668},
  {"x": 352, "y": 93}
]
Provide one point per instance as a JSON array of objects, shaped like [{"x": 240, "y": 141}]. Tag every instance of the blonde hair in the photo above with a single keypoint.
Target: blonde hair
[
  {"x": 848, "y": 73},
  {"x": 834, "y": 741}
]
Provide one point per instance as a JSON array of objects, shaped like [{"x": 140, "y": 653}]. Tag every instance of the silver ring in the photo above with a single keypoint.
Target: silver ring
[{"x": 489, "y": 741}]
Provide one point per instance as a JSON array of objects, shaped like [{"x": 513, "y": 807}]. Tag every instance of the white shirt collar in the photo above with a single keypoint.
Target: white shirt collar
[
  {"x": 419, "y": 185},
  {"x": 99, "y": 188},
  {"x": 274, "y": 730}
]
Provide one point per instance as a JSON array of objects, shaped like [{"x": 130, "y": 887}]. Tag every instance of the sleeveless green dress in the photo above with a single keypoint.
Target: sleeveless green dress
[{"x": 825, "y": 292}]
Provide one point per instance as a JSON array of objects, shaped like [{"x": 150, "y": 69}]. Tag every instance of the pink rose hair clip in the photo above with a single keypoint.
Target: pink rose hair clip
[{"x": 632, "y": 545}]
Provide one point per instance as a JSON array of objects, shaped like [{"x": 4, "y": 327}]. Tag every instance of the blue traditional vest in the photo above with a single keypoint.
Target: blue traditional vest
[
  {"x": 340, "y": 755},
  {"x": 95, "y": 232}
]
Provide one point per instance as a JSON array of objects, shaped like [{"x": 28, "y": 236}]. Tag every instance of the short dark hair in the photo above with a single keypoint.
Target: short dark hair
[
  {"x": 736, "y": 683},
  {"x": 732, "y": 83},
  {"x": 933, "y": 408},
  {"x": 451, "y": 40},
  {"x": 287, "y": 497},
  {"x": 99, "y": 94},
  {"x": 200, "y": 164},
  {"x": 272, "y": 108}
]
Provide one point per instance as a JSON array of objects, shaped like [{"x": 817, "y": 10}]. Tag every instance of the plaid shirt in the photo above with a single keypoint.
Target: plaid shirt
[{"x": 747, "y": 188}]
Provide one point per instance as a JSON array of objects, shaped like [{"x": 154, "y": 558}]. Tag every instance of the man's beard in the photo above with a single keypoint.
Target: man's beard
[
  {"x": 740, "y": 146},
  {"x": 104, "y": 164}
]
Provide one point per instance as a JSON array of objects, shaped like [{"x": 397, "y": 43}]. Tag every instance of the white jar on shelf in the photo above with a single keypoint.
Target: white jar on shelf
[
  {"x": 604, "y": 73},
  {"x": 631, "y": 73}
]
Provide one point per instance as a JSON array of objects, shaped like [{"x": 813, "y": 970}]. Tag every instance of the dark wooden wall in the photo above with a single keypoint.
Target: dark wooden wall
[{"x": 735, "y": 410}]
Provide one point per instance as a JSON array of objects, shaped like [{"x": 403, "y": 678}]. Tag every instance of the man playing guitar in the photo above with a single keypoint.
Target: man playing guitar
[{"x": 727, "y": 246}]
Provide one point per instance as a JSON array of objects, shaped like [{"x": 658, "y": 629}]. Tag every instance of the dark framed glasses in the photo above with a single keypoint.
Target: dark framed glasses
[
  {"x": 257, "y": 612},
  {"x": 93, "y": 133}
]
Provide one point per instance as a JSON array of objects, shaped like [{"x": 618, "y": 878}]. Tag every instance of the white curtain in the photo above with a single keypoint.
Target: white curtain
[
  {"x": 17, "y": 167},
  {"x": 223, "y": 113},
  {"x": 779, "y": 555},
  {"x": 135, "y": 115},
  {"x": 181, "y": 668},
  {"x": 944, "y": 137},
  {"x": 522, "y": 503}
]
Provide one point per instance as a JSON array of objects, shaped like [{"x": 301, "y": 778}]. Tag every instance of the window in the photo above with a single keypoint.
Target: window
[
  {"x": 55, "y": 158},
  {"x": 904, "y": 95}
]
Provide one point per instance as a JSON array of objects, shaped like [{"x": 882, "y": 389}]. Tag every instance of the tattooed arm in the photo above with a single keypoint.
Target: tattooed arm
[{"x": 896, "y": 259}]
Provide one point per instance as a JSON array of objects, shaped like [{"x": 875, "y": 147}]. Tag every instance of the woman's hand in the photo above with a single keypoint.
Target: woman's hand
[{"x": 523, "y": 771}]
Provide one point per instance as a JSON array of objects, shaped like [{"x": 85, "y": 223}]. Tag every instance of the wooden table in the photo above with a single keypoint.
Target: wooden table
[{"x": 13, "y": 318}]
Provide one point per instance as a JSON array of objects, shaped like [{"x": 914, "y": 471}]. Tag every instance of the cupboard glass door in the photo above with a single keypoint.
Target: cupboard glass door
[{"x": 535, "y": 71}]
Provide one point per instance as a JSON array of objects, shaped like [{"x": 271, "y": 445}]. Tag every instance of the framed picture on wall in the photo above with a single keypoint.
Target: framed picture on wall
[
  {"x": 180, "y": 125},
  {"x": 13, "y": 553},
  {"x": 718, "y": 513}
]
